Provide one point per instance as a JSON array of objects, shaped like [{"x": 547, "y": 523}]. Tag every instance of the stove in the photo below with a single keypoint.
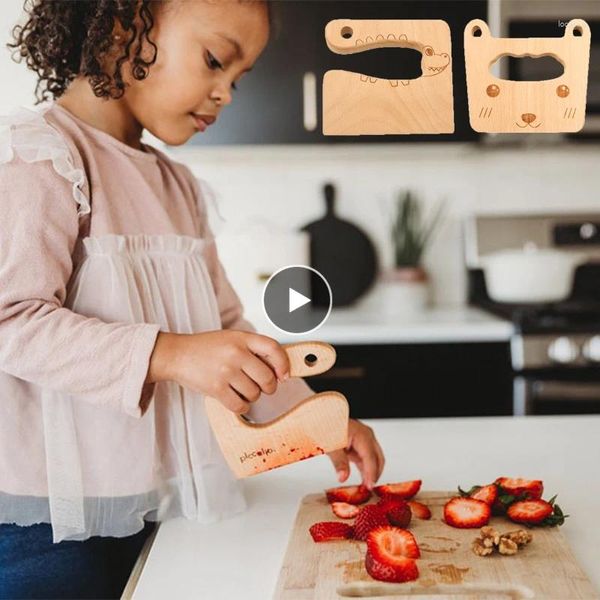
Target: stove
[{"x": 555, "y": 348}]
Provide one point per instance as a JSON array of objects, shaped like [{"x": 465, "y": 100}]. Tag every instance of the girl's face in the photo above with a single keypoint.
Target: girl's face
[{"x": 204, "y": 48}]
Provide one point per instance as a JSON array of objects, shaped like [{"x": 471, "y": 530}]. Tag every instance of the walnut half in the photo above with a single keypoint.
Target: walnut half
[
  {"x": 507, "y": 546},
  {"x": 520, "y": 536},
  {"x": 489, "y": 536},
  {"x": 480, "y": 548}
]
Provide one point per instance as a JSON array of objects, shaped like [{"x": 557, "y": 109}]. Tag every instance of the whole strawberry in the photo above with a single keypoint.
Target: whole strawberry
[
  {"x": 397, "y": 511},
  {"x": 369, "y": 517}
]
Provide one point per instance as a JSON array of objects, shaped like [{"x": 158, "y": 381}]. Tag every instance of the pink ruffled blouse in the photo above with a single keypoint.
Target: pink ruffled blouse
[{"x": 101, "y": 247}]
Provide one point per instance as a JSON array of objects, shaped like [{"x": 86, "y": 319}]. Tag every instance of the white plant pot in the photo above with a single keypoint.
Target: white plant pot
[{"x": 400, "y": 292}]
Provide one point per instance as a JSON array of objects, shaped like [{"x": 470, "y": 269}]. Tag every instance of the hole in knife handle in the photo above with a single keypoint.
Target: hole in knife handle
[
  {"x": 346, "y": 32},
  {"x": 310, "y": 360},
  {"x": 495, "y": 591}
]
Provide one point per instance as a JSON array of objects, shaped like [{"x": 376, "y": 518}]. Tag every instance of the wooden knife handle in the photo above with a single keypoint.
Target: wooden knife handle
[{"x": 310, "y": 358}]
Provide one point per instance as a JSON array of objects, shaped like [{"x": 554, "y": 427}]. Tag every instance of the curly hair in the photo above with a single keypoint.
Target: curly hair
[{"x": 63, "y": 39}]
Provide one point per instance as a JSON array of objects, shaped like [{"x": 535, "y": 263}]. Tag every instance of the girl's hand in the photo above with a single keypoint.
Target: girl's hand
[
  {"x": 364, "y": 450},
  {"x": 234, "y": 367}
]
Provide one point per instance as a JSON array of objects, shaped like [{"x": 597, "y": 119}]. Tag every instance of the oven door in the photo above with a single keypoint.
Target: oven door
[{"x": 534, "y": 395}]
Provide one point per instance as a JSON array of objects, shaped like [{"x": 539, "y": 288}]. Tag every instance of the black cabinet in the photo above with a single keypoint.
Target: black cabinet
[
  {"x": 422, "y": 380},
  {"x": 269, "y": 106}
]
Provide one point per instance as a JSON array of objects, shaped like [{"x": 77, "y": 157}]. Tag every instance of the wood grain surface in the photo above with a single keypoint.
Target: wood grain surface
[
  {"x": 359, "y": 104},
  {"x": 504, "y": 106}
]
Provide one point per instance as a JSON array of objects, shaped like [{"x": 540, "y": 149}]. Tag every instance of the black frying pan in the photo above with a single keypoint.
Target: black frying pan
[{"x": 342, "y": 253}]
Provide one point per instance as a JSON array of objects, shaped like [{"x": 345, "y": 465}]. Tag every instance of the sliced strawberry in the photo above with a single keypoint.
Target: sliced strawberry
[
  {"x": 344, "y": 510},
  {"x": 521, "y": 488},
  {"x": 385, "y": 543},
  {"x": 387, "y": 502},
  {"x": 404, "y": 489},
  {"x": 390, "y": 554},
  {"x": 352, "y": 494},
  {"x": 531, "y": 512},
  {"x": 466, "y": 513},
  {"x": 485, "y": 493},
  {"x": 326, "y": 531},
  {"x": 399, "y": 570},
  {"x": 399, "y": 515},
  {"x": 369, "y": 517},
  {"x": 419, "y": 510}
]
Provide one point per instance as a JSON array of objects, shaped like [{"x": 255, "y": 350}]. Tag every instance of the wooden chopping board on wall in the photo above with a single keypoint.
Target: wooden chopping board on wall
[{"x": 545, "y": 569}]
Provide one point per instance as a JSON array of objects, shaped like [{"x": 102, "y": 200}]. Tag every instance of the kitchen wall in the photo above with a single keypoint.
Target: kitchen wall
[
  {"x": 16, "y": 81},
  {"x": 283, "y": 184}
]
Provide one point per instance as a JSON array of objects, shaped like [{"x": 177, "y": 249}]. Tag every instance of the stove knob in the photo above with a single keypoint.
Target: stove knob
[
  {"x": 591, "y": 349},
  {"x": 563, "y": 350}
]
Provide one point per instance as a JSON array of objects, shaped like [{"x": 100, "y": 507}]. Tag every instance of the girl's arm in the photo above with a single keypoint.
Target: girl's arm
[
  {"x": 363, "y": 448},
  {"x": 288, "y": 393},
  {"x": 41, "y": 341}
]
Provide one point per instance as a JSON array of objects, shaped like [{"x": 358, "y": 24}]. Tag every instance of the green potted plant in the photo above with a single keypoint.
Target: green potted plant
[{"x": 407, "y": 283}]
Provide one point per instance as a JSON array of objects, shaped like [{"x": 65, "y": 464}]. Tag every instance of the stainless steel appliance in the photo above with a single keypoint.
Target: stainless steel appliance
[{"x": 555, "y": 349}]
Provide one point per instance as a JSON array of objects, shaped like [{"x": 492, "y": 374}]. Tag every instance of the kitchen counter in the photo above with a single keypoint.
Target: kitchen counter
[
  {"x": 362, "y": 325},
  {"x": 240, "y": 557}
]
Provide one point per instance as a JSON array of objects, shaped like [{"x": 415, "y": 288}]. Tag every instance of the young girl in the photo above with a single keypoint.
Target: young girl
[{"x": 116, "y": 317}]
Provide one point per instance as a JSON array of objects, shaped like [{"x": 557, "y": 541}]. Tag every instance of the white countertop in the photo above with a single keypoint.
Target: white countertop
[
  {"x": 240, "y": 557},
  {"x": 442, "y": 324}
]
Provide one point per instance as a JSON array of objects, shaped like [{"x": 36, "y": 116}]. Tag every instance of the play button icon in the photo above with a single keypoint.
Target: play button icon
[
  {"x": 296, "y": 300},
  {"x": 288, "y": 299}
]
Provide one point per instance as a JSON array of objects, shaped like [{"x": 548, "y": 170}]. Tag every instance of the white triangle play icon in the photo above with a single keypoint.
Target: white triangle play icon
[{"x": 296, "y": 300}]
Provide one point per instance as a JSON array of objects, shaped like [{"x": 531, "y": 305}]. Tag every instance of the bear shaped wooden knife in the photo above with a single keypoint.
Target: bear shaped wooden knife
[
  {"x": 505, "y": 106},
  {"x": 357, "y": 104},
  {"x": 317, "y": 425}
]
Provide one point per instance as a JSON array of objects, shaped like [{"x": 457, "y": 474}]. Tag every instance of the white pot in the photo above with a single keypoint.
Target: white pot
[
  {"x": 530, "y": 275},
  {"x": 399, "y": 292}
]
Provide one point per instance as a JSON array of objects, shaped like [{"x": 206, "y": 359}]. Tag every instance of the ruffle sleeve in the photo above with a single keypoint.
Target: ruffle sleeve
[{"x": 25, "y": 133}]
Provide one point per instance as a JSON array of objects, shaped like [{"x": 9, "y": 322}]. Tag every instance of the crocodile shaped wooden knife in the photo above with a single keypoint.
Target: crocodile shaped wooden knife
[{"x": 358, "y": 104}]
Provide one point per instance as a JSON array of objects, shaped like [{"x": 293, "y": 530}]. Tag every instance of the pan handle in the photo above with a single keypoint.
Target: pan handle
[{"x": 329, "y": 190}]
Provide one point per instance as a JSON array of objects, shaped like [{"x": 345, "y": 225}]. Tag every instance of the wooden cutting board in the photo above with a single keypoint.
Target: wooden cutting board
[{"x": 544, "y": 569}]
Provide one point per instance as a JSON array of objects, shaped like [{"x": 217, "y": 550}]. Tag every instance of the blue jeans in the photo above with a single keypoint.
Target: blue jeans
[{"x": 31, "y": 566}]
